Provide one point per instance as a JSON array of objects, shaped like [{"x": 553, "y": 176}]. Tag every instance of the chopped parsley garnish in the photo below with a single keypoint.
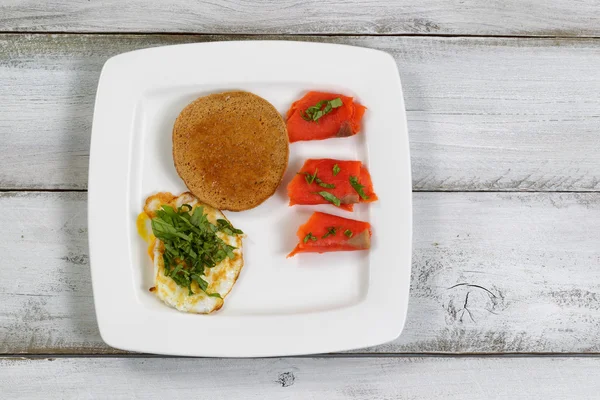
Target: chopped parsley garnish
[
  {"x": 358, "y": 187},
  {"x": 225, "y": 226},
  {"x": 191, "y": 244},
  {"x": 330, "y": 232},
  {"x": 310, "y": 178},
  {"x": 323, "y": 184},
  {"x": 336, "y": 170},
  {"x": 317, "y": 111},
  {"x": 310, "y": 236},
  {"x": 330, "y": 198},
  {"x": 348, "y": 233}
]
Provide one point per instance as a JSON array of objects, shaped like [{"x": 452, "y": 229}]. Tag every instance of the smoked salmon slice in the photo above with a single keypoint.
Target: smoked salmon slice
[
  {"x": 329, "y": 181},
  {"x": 365, "y": 179},
  {"x": 337, "y": 120},
  {"x": 325, "y": 232}
]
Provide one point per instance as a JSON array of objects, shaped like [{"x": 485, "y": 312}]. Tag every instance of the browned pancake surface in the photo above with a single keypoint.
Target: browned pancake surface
[{"x": 230, "y": 149}]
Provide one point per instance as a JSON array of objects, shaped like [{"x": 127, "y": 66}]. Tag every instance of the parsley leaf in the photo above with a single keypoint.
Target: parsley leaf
[
  {"x": 329, "y": 197},
  {"x": 225, "y": 226},
  {"x": 191, "y": 244},
  {"x": 314, "y": 113},
  {"x": 310, "y": 236},
  {"x": 358, "y": 187},
  {"x": 348, "y": 233},
  {"x": 336, "y": 170}
]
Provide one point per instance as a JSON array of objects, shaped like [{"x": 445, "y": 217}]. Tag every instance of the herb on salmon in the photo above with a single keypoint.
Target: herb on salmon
[
  {"x": 310, "y": 236},
  {"x": 325, "y": 185},
  {"x": 300, "y": 191},
  {"x": 311, "y": 178},
  {"x": 358, "y": 187},
  {"x": 330, "y": 198},
  {"x": 314, "y": 113},
  {"x": 335, "y": 233},
  {"x": 336, "y": 170},
  {"x": 191, "y": 244},
  {"x": 330, "y": 232}
]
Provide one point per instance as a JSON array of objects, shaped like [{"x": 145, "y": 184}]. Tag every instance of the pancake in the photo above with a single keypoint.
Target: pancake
[{"x": 231, "y": 149}]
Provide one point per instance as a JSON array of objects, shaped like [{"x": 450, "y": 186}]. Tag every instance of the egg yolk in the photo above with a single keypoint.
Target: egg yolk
[{"x": 142, "y": 226}]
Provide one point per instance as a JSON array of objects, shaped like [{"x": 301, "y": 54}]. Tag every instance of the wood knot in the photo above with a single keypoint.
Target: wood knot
[{"x": 286, "y": 379}]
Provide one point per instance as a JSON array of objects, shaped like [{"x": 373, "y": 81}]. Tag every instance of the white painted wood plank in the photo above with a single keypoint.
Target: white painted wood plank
[
  {"x": 531, "y": 262},
  {"x": 483, "y": 114},
  {"x": 296, "y": 378},
  {"x": 472, "y": 17}
]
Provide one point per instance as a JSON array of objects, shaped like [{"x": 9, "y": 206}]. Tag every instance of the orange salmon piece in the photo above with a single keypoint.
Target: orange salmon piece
[
  {"x": 340, "y": 122},
  {"x": 365, "y": 180},
  {"x": 300, "y": 191},
  {"x": 325, "y": 232}
]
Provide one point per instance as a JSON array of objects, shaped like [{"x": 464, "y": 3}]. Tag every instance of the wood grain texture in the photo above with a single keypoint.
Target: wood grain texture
[
  {"x": 491, "y": 273},
  {"x": 483, "y": 114},
  {"x": 457, "y": 17},
  {"x": 296, "y": 378}
]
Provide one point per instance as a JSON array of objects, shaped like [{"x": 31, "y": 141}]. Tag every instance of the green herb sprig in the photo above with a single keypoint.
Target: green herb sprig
[
  {"x": 325, "y": 185},
  {"x": 191, "y": 244},
  {"x": 358, "y": 187},
  {"x": 330, "y": 232},
  {"x": 310, "y": 236},
  {"x": 330, "y": 198},
  {"x": 311, "y": 178},
  {"x": 336, "y": 170},
  {"x": 314, "y": 113}
]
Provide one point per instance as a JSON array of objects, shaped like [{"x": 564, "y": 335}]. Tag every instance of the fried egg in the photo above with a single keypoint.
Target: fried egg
[{"x": 220, "y": 278}]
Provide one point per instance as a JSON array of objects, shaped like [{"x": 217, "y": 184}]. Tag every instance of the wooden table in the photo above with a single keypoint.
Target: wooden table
[{"x": 503, "y": 104}]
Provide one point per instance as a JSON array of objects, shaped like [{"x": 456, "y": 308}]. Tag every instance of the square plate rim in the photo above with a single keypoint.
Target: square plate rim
[{"x": 113, "y": 334}]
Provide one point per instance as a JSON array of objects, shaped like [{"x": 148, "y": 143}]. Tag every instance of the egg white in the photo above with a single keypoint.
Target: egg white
[{"x": 220, "y": 278}]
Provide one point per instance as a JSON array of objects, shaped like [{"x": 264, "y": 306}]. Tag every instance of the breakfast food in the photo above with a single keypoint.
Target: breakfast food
[
  {"x": 325, "y": 232},
  {"x": 230, "y": 149},
  {"x": 196, "y": 252},
  {"x": 328, "y": 181},
  {"x": 319, "y": 115}
]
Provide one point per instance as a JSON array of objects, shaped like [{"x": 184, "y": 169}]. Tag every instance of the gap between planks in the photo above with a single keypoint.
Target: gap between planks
[
  {"x": 52, "y": 356},
  {"x": 292, "y": 35},
  {"x": 463, "y": 137},
  {"x": 550, "y": 255}
]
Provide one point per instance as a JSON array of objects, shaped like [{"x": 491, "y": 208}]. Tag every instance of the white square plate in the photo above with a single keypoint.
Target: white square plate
[{"x": 306, "y": 304}]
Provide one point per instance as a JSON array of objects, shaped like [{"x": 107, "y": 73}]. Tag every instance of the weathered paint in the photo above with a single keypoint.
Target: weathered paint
[{"x": 491, "y": 273}]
